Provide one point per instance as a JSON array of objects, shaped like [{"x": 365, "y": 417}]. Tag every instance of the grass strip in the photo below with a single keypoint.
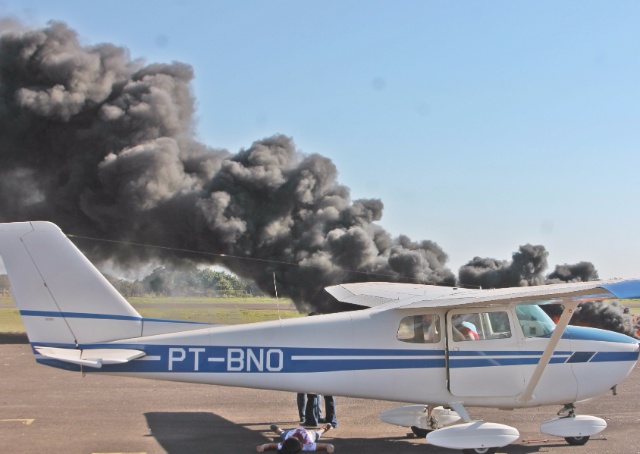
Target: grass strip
[{"x": 169, "y": 308}]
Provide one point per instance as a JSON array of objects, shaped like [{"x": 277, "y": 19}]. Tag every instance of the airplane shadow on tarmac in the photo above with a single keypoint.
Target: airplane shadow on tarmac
[
  {"x": 207, "y": 433},
  {"x": 200, "y": 433}
]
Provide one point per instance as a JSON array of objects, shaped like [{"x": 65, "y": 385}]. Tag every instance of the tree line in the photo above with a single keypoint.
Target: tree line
[{"x": 169, "y": 281}]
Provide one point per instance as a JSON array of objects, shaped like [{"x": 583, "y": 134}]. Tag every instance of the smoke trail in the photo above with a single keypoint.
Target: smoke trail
[{"x": 104, "y": 146}]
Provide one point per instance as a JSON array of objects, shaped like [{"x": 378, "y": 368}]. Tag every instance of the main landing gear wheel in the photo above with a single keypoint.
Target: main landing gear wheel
[
  {"x": 577, "y": 441},
  {"x": 479, "y": 451}
]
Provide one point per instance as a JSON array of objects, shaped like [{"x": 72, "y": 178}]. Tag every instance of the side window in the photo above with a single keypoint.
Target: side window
[
  {"x": 420, "y": 329},
  {"x": 480, "y": 326}
]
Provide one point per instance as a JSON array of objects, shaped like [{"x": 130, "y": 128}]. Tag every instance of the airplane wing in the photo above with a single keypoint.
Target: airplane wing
[
  {"x": 374, "y": 294},
  {"x": 386, "y": 295}
]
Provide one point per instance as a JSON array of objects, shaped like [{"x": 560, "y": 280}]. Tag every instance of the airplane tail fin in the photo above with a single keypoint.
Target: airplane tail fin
[{"x": 63, "y": 299}]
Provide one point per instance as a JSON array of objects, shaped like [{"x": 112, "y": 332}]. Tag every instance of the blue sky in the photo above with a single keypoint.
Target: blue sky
[{"x": 482, "y": 126}]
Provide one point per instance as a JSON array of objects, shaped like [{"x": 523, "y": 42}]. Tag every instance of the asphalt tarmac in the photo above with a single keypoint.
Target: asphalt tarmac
[{"x": 47, "y": 410}]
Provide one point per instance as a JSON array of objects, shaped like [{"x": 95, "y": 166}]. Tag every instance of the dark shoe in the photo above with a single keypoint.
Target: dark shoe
[
  {"x": 419, "y": 432},
  {"x": 326, "y": 421},
  {"x": 306, "y": 424}
]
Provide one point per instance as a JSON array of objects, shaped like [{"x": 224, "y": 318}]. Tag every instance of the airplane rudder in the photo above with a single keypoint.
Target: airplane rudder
[
  {"x": 40, "y": 315},
  {"x": 61, "y": 296}
]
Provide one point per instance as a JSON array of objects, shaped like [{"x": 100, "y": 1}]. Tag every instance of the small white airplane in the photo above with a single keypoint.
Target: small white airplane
[{"x": 440, "y": 349}]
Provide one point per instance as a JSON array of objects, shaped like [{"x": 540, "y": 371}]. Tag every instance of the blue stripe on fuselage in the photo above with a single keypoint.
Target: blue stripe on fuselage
[{"x": 240, "y": 359}]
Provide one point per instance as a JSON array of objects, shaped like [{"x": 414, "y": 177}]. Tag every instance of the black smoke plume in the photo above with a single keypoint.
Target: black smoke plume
[
  {"x": 104, "y": 146},
  {"x": 598, "y": 314},
  {"x": 612, "y": 316},
  {"x": 580, "y": 272},
  {"x": 525, "y": 269}
]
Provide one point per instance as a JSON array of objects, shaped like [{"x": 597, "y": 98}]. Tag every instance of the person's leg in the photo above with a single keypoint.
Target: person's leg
[
  {"x": 319, "y": 407},
  {"x": 279, "y": 431},
  {"x": 310, "y": 415},
  {"x": 321, "y": 432},
  {"x": 284, "y": 434},
  {"x": 302, "y": 400},
  {"x": 330, "y": 411}
]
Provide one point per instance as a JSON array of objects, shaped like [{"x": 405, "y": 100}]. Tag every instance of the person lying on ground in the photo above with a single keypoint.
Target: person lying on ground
[{"x": 297, "y": 440}]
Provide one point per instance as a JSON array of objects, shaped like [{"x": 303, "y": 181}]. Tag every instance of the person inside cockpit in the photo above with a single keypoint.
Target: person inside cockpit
[{"x": 463, "y": 330}]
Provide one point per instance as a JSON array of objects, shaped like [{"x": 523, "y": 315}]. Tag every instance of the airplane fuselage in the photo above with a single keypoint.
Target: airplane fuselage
[{"x": 362, "y": 354}]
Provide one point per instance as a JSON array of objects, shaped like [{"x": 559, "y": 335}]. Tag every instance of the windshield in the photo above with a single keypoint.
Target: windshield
[{"x": 534, "y": 321}]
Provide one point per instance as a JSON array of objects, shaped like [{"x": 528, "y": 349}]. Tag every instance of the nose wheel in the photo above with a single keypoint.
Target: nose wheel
[
  {"x": 575, "y": 429},
  {"x": 479, "y": 451}
]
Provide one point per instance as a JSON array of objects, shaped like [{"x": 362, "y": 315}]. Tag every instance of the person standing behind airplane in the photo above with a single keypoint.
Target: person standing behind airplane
[
  {"x": 312, "y": 412},
  {"x": 309, "y": 405},
  {"x": 330, "y": 411},
  {"x": 312, "y": 409},
  {"x": 301, "y": 400}
]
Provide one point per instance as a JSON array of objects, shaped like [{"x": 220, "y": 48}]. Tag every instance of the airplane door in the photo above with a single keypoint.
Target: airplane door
[{"x": 483, "y": 356}]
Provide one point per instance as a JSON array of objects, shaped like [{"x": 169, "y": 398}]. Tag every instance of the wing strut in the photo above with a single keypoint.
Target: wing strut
[{"x": 569, "y": 309}]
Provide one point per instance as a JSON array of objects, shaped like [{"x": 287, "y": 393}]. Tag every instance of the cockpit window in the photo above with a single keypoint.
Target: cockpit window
[
  {"x": 421, "y": 329},
  {"x": 534, "y": 321},
  {"x": 480, "y": 326}
]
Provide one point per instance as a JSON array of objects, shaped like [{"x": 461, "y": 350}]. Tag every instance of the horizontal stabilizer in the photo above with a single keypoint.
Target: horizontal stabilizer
[{"x": 91, "y": 357}]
